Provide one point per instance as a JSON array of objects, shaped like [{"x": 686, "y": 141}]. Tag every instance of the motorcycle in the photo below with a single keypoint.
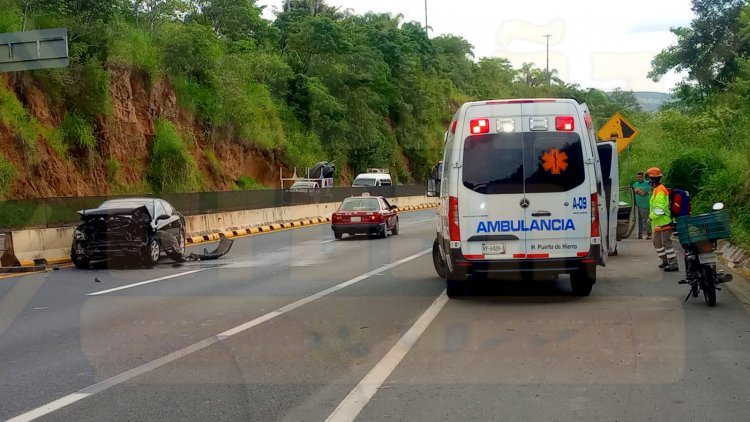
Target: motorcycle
[{"x": 698, "y": 236}]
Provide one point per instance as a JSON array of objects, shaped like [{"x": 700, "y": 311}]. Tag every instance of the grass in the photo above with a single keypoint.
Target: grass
[
  {"x": 197, "y": 98},
  {"x": 14, "y": 115},
  {"x": 238, "y": 109},
  {"x": 54, "y": 138},
  {"x": 113, "y": 171},
  {"x": 7, "y": 175},
  {"x": 89, "y": 93},
  {"x": 173, "y": 167},
  {"x": 248, "y": 183},
  {"x": 691, "y": 157},
  {"x": 77, "y": 132},
  {"x": 136, "y": 47},
  {"x": 214, "y": 165}
]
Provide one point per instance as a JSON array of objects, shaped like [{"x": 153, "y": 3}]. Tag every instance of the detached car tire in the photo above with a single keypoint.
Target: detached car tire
[{"x": 150, "y": 254}]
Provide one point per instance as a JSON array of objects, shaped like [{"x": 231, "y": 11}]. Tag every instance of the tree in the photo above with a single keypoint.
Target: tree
[
  {"x": 531, "y": 76},
  {"x": 492, "y": 78},
  {"x": 455, "y": 56},
  {"x": 237, "y": 19},
  {"x": 155, "y": 12},
  {"x": 310, "y": 8},
  {"x": 710, "y": 48}
]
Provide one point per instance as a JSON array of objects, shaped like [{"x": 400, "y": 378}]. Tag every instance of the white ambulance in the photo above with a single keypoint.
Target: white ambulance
[{"x": 521, "y": 195}]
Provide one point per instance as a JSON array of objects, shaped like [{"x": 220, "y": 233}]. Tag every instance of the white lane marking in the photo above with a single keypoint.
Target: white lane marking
[
  {"x": 418, "y": 222},
  {"x": 50, "y": 407},
  {"x": 358, "y": 398},
  {"x": 327, "y": 241},
  {"x": 130, "y": 286},
  {"x": 164, "y": 360}
]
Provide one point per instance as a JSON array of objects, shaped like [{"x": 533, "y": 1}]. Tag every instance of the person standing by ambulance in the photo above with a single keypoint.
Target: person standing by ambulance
[
  {"x": 661, "y": 221},
  {"x": 642, "y": 190}
]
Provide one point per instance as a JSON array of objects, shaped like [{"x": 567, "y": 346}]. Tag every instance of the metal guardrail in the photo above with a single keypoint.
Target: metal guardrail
[{"x": 58, "y": 212}]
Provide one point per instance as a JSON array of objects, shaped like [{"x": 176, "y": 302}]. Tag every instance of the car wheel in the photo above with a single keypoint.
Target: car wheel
[
  {"x": 338, "y": 235},
  {"x": 79, "y": 261},
  {"x": 151, "y": 253},
  {"x": 178, "y": 254},
  {"x": 394, "y": 231}
]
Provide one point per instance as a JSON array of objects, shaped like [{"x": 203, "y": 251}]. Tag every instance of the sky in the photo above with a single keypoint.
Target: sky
[{"x": 594, "y": 43}]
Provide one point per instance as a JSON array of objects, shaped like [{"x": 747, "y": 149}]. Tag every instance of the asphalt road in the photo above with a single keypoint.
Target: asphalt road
[{"x": 295, "y": 326}]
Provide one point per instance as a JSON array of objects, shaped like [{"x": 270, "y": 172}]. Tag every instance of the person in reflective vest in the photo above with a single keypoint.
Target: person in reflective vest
[{"x": 661, "y": 221}]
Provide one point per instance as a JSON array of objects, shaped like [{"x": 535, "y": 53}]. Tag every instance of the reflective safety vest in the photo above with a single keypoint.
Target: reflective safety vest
[{"x": 660, "y": 199}]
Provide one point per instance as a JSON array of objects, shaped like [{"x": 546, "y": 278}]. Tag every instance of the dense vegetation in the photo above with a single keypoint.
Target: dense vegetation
[
  {"x": 702, "y": 139},
  {"x": 317, "y": 83}
]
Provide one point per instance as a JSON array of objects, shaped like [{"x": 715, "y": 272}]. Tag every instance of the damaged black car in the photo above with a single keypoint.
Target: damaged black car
[{"x": 137, "y": 229}]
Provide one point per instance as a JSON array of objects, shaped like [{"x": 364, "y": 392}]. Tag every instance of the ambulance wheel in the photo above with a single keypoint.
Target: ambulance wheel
[
  {"x": 441, "y": 268},
  {"x": 582, "y": 280}
]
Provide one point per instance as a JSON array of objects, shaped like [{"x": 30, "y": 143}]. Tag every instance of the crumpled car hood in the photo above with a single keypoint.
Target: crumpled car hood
[{"x": 115, "y": 224}]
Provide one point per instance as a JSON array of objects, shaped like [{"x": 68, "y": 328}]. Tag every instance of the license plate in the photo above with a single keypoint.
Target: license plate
[
  {"x": 707, "y": 258},
  {"x": 356, "y": 219},
  {"x": 493, "y": 248}
]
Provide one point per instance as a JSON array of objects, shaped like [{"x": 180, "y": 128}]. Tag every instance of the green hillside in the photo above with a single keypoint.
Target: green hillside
[{"x": 316, "y": 83}]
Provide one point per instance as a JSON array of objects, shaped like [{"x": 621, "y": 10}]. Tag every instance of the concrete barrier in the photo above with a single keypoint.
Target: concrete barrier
[
  {"x": 50, "y": 244},
  {"x": 228, "y": 221},
  {"x": 53, "y": 245}
]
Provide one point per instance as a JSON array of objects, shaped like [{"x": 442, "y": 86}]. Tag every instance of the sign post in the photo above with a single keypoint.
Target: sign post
[{"x": 619, "y": 129}]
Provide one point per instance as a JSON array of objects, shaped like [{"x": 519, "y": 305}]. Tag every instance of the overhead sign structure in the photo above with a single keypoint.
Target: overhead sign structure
[
  {"x": 617, "y": 128},
  {"x": 33, "y": 50}
]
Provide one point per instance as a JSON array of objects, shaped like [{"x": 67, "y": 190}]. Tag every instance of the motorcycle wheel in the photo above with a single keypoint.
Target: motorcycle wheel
[{"x": 708, "y": 286}]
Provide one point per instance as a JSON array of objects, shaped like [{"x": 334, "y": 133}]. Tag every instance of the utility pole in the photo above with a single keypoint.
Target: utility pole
[{"x": 549, "y": 78}]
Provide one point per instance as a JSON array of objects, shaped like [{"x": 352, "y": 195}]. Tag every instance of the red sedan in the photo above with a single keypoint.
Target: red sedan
[{"x": 365, "y": 215}]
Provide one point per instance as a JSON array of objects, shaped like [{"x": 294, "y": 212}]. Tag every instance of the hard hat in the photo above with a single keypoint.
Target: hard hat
[{"x": 654, "y": 172}]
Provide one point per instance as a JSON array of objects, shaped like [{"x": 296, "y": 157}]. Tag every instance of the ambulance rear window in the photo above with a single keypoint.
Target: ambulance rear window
[
  {"x": 554, "y": 162},
  {"x": 512, "y": 163},
  {"x": 493, "y": 163}
]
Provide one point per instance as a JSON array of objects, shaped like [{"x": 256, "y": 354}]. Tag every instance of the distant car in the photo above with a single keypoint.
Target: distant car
[
  {"x": 304, "y": 186},
  {"x": 137, "y": 228},
  {"x": 365, "y": 214},
  {"x": 373, "y": 178}
]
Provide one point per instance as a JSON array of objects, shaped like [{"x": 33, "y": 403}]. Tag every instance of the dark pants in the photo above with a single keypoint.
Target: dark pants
[{"x": 643, "y": 222}]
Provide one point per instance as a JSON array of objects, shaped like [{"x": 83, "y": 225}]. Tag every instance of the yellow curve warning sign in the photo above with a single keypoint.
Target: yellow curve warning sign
[{"x": 620, "y": 129}]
